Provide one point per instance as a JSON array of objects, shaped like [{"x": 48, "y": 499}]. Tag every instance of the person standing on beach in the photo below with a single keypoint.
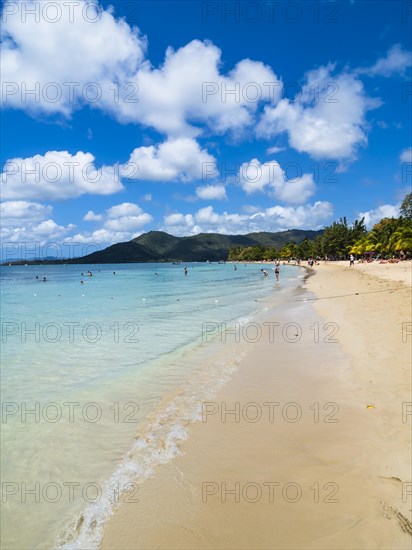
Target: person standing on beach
[{"x": 351, "y": 260}]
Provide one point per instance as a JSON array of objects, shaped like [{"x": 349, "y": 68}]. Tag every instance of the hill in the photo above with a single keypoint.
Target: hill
[{"x": 158, "y": 246}]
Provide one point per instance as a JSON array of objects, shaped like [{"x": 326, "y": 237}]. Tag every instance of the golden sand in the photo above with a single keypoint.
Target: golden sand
[{"x": 327, "y": 464}]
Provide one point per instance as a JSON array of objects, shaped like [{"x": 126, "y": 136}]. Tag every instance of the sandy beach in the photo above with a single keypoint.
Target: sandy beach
[{"x": 308, "y": 445}]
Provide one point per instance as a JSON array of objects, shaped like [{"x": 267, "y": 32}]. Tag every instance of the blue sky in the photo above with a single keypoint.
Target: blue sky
[{"x": 196, "y": 116}]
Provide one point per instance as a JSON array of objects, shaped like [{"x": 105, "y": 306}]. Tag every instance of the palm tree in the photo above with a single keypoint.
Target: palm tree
[
  {"x": 401, "y": 239},
  {"x": 376, "y": 241},
  {"x": 360, "y": 247}
]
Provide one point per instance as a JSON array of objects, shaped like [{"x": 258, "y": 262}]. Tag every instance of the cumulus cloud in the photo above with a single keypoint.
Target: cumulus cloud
[
  {"x": 178, "y": 219},
  {"x": 59, "y": 54},
  {"x": 15, "y": 211},
  {"x": 257, "y": 177},
  {"x": 121, "y": 222},
  {"x": 383, "y": 211},
  {"x": 57, "y": 175},
  {"x": 92, "y": 217},
  {"x": 276, "y": 218},
  {"x": 396, "y": 61},
  {"x": 180, "y": 159},
  {"x": 126, "y": 217},
  {"x": 103, "y": 237},
  {"x": 406, "y": 155},
  {"x": 29, "y": 222},
  {"x": 211, "y": 192},
  {"x": 188, "y": 90},
  {"x": 105, "y": 61},
  {"x": 327, "y": 120},
  {"x": 124, "y": 209}
]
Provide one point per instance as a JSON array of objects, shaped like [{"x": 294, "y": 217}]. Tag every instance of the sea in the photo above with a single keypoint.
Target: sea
[{"x": 103, "y": 369}]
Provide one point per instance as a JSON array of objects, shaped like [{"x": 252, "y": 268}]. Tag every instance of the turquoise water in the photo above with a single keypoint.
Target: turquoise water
[{"x": 112, "y": 370}]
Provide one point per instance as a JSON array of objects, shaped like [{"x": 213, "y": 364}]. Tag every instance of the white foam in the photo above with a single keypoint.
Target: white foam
[{"x": 158, "y": 445}]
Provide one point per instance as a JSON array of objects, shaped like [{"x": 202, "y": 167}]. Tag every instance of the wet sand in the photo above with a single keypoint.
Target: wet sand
[{"x": 317, "y": 452}]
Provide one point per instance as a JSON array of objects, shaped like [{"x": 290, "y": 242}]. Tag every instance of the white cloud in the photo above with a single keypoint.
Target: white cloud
[
  {"x": 188, "y": 90},
  {"x": 406, "y": 155},
  {"x": 29, "y": 222},
  {"x": 84, "y": 45},
  {"x": 383, "y": 211},
  {"x": 255, "y": 177},
  {"x": 126, "y": 217},
  {"x": 211, "y": 192},
  {"x": 103, "y": 237},
  {"x": 92, "y": 217},
  {"x": 273, "y": 150},
  {"x": 179, "y": 219},
  {"x": 175, "y": 159},
  {"x": 124, "y": 209},
  {"x": 106, "y": 61},
  {"x": 396, "y": 61},
  {"x": 121, "y": 222},
  {"x": 128, "y": 223},
  {"x": 14, "y": 212},
  {"x": 57, "y": 175},
  {"x": 250, "y": 209},
  {"x": 327, "y": 120},
  {"x": 276, "y": 218}
]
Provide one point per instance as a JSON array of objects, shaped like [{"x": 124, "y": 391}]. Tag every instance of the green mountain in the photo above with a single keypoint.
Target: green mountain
[
  {"x": 119, "y": 253},
  {"x": 157, "y": 246},
  {"x": 158, "y": 242},
  {"x": 280, "y": 238}
]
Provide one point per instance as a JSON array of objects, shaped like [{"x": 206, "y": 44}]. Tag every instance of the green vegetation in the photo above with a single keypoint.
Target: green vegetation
[
  {"x": 388, "y": 238},
  {"x": 157, "y": 246}
]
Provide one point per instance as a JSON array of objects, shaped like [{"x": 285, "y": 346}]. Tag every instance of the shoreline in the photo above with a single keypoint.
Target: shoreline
[{"x": 365, "y": 454}]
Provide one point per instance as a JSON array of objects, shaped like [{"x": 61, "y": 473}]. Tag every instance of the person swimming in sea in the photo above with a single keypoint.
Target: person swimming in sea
[
  {"x": 185, "y": 270},
  {"x": 265, "y": 273}
]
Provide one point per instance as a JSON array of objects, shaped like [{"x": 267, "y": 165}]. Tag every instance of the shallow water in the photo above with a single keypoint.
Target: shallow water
[{"x": 112, "y": 370}]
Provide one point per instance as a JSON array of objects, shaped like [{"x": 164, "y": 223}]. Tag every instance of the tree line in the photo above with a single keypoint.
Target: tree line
[{"x": 390, "y": 237}]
